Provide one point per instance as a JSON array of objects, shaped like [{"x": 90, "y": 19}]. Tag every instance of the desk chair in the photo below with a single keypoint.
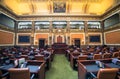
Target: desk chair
[
  {"x": 97, "y": 56},
  {"x": 83, "y": 57},
  {"x": 106, "y": 55},
  {"x": 108, "y": 73},
  {"x": 115, "y": 55},
  {"x": 20, "y": 73},
  {"x": 39, "y": 57}
]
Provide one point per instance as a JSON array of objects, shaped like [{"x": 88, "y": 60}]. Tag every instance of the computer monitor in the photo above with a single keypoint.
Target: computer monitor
[{"x": 21, "y": 61}]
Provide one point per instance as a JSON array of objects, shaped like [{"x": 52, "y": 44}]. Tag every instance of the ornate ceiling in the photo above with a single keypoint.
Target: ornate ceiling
[{"x": 58, "y": 7}]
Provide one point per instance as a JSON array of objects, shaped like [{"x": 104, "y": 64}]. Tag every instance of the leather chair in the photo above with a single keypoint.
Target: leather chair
[
  {"x": 115, "y": 55},
  {"x": 39, "y": 57},
  {"x": 97, "y": 56},
  {"x": 106, "y": 55},
  {"x": 19, "y": 73},
  {"x": 83, "y": 57},
  {"x": 108, "y": 73}
]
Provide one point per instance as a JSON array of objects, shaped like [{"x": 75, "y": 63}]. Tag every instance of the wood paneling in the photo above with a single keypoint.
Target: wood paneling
[
  {"x": 77, "y": 36},
  {"x": 6, "y": 38},
  {"x": 112, "y": 37},
  {"x": 41, "y": 36}
]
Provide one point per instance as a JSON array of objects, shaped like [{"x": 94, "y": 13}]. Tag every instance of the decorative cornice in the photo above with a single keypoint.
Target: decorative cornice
[
  {"x": 7, "y": 13},
  {"x": 59, "y": 18},
  {"x": 111, "y": 12}
]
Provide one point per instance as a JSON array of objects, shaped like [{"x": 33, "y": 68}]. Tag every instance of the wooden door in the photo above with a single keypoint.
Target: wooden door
[{"x": 59, "y": 39}]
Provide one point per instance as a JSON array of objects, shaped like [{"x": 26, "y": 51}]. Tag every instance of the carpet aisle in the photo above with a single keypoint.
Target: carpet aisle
[{"x": 61, "y": 69}]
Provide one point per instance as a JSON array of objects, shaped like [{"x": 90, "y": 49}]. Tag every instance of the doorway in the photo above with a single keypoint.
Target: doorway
[
  {"x": 59, "y": 39},
  {"x": 77, "y": 42},
  {"x": 41, "y": 43}
]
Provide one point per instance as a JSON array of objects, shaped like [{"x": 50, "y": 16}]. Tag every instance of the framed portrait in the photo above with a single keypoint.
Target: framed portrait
[{"x": 59, "y": 7}]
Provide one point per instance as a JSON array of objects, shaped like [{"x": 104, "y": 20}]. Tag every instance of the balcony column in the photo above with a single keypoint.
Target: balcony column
[
  {"x": 16, "y": 30},
  {"x": 32, "y": 33},
  {"x": 102, "y": 30},
  {"x": 86, "y": 33},
  {"x": 50, "y": 34}
]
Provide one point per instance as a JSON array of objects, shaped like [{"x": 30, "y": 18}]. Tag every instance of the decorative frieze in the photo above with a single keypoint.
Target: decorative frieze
[{"x": 60, "y": 18}]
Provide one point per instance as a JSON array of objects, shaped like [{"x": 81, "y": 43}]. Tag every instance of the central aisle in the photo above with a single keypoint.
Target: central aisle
[{"x": 61, "y": 69}]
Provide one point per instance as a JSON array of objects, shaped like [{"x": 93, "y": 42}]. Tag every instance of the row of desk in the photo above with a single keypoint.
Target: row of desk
[
  {"x": 35, "y": 67},
  {"x": 87, "y": 66}
]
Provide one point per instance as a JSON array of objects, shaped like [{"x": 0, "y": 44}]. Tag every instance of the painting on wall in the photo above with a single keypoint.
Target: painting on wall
[{"x": 59, "y": 7}]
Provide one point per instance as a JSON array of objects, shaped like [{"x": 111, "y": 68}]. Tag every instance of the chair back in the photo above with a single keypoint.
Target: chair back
[
  {"x": 83, "y": 57},
  {"x": 19, "y": 73},
  {"x": 97, "y": 56},
  {"x": 115, "y": 54},
  {"x": 106, "y": 55},
  {"x": 108, "y": 73},
  {"x": 39, "y": 57}
]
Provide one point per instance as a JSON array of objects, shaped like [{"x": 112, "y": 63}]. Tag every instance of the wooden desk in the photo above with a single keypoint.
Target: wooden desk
[
  {"x": 74, "y": 57},
  {"x": 37, "y": 68},
  {"x": 87, "y": 66},
  {"x": 59, "y": 48}
]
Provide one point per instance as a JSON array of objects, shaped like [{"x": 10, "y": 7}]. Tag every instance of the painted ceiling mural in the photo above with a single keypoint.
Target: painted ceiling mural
[{"x": 55, "y": 7}]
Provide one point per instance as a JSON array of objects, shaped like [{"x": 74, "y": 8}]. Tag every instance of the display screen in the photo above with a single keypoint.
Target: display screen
[
  {"x": 94, "y": 38},
  {"x": 24, "y": 39}
]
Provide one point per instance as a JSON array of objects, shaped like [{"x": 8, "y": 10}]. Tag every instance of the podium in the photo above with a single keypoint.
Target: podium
[{"x": 59, "y": 48}]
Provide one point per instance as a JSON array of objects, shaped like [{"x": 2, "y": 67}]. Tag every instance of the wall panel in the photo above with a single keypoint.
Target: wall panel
[
  {"x": 41, "y": 36},
  {"x": 77, "y": 36},
  {"x": 112, "y": 37},
  {"x": 6, "y": 38}
]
